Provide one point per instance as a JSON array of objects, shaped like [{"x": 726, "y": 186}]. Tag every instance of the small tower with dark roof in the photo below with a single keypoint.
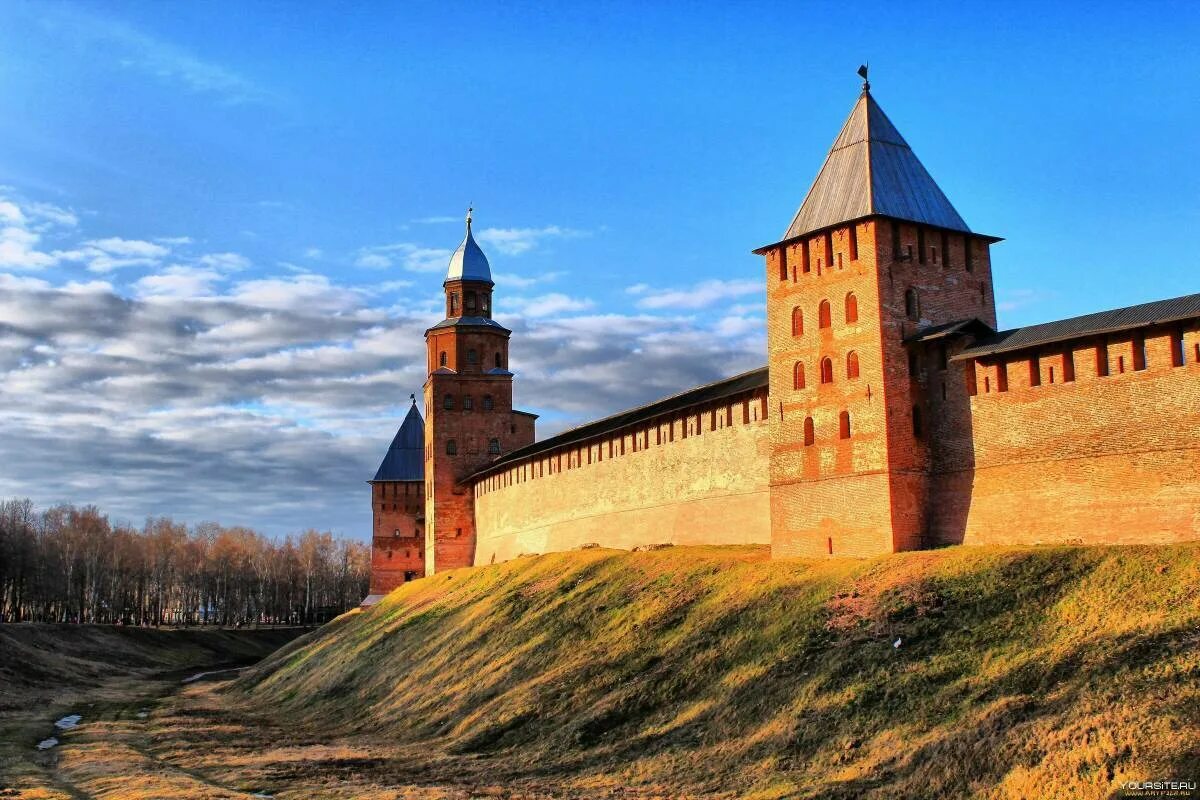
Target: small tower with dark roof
[
  {"x": 470, "y": 420},
  {"x": 398, "y": 509},
  {"x": 875, "y": 258}
]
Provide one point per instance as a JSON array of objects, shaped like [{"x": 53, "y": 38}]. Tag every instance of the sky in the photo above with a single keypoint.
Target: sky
[{"x": 224, "y": 225}]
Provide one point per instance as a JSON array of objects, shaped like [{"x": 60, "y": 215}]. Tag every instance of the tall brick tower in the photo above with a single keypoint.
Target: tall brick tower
[
  {"x": 470, "y": 420},
  {"x": 875, "y": 265},
  {"x": 398, "y": 510}
]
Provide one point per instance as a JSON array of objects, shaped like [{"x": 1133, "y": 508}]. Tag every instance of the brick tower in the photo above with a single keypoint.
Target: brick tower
[
  {"x": 398, "y": 510},
  {"x": 875, "y": 266},
  {"x": 470, "y": 420}
]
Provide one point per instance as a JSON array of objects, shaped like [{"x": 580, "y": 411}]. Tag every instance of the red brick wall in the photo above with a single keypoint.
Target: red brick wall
[
  {"x": 697, "y": 477},
  {"x": 1096, "y": 460},
  {"x": 397, "y": 538},
  {"x": 865, "y": 494}
]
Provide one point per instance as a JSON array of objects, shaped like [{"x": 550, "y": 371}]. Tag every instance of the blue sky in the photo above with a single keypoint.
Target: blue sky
[{"x": 224, "y": 222}]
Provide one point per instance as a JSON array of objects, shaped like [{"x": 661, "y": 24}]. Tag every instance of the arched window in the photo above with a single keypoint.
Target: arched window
[
  {"x": 851, "y": 308},
  {"x": 454, "y": 304},
  {"x": 499, "y": 363},
  {"x": 448, "y": 401},
  {"x": 911, "y": 307},
  {"x": 442, "y": 359},
  {"x": 488, "y": 405},
  {"x": 472, "y": 356},
  {"x": 851, "y": 365},
  {"x": 451, "y": 447},
  {"x": 484, "y": 301},
  {"x": 468, "y": 403},
  {"x": 844, "y": 425},
  {"x": 470, "y": 302},
  {"x": 810, "y": 435},
  {"x": 823, "y": 320},
  {"x": 798, "y": 375},
  {"x": 826, "y": 370},
  {"x": 494, "y": 446},
  {"x": 797, "y": 321}
]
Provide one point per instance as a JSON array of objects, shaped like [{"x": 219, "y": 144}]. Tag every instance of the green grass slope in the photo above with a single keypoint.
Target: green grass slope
[{"x": 1021, "y": 672}]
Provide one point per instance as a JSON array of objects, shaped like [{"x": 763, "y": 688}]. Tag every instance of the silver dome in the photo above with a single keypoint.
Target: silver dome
[{"x": 468, "y": 262}]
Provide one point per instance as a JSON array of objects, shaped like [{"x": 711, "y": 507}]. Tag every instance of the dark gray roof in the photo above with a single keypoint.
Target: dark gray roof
[
  {"x": 973, "y": 326},
  {"x": 871, "y": 170},
  {"x": 1119, "y": 319},
  {"x": 405, "y": 459},
  {"x": 745, "y": 382},
  {"x": 485, "y": 322}
]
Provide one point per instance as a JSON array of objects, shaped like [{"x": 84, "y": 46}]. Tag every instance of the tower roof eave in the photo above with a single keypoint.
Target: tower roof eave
[{"x": 763, "y": 249}]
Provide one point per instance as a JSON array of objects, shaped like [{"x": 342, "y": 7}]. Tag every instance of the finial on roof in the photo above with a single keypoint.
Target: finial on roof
[
  {"x": 862, "y": 73},
  {"x": 413, "y": 397},
  {"x": 469, "y": 210}
]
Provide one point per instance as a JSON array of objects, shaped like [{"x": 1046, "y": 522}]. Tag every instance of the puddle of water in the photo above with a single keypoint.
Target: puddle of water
[
  {"x": 46, "y": 744},
  {"x": 263, "y": 796},
  {"x": 68, "y": 722}
]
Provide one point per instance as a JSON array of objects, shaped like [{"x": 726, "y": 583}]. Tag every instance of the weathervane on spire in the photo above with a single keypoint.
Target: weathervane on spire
[
  {"x": 862, "y": 73},
  {"x": 413, "y": 397},
  {"x": 469, "y": 210}
]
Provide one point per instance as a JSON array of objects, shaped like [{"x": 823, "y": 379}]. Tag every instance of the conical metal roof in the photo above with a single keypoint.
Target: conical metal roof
[
  {"x": 468, "y": 263},
  {"x": 405, "y": 459},
  {"x": 871, "y": 170}
]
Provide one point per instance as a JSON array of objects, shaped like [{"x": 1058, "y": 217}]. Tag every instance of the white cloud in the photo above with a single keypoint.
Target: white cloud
[
  {"x": 225, "y": 262},
  {"x": 703, "y": 294},
  {"x": 515, "y": 241},
  {"x": 411, "y": 257},
  {"x": 548, "y": 304},
  {"x": 178, "y": 282},
  {"x": 436, "y": 220},
  {"x": 510, "y": 280}
]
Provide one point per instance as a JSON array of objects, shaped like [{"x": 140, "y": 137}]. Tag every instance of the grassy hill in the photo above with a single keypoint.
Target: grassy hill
[{"x": 966, "y": 672}]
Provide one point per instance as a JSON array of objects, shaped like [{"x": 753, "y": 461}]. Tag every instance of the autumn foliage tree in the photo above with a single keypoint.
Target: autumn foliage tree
[{"x": 71, "y": 564}]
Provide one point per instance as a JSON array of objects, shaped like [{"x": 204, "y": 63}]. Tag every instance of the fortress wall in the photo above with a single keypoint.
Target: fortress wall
[
  {"x": 697, "y": 477},
  {"x": 1098, "y": 459},
  {"x": 397, "y": 540}
]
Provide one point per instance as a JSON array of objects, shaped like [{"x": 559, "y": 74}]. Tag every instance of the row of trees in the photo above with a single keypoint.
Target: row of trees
[{"x": 70, "y": 564}]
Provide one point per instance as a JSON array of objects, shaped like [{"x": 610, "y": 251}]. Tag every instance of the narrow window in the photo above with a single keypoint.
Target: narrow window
[
  {"x": 945, "y": 250},
  {"x": 1035, "y": 372},
  {"x": 823, "y": 316},
  {"x": 805, "y": 264},
  {"x": 488, "y": 404},
  {"x": 470, "y": 304},
  {"x": 839, "y": 260},
  {"x": 916, "y": 422},
  {"x": 451, "y": 447},
  {"x": 844, "y": 425},
  {"x": 472, "y": 356},
  {"x": 912, "y": 364},
  {"x": 826, "y": 370},
  {"x": 810, "y": 435},
  {"x": 798, "y": 375},
  {"x": 853, "y": 242},
  {"x": 499, "y": 362},
  {"x": 933, "y": 254},
  {"x": 982, "y": 293},
  {"x": 943, "y": 356},
  {"x": 1177, "y": 358},
  {"x": 1120, "y": 365},
  {"x": 1102, "y": 360},
  {"x": 1068, "y": 366},
  {"x": 911, "y": 306},
  {"x": 829, "y": 544},
  {"x": 895, "y": 240},
  {"x": 484, "y": 301},
  {"x": 448, "y": 401},
  {"x": 920, "y": 245},
  {"x": 968, "y": 254},
  {"x": 851, "y": 308},
  {"x": 1197, "y": 352},
  {"x": 454, "y": 304},
  {"x": 829, "y": 248},
  {"x": 972, "y": 385},
  {"x": 797, "y": 321},
  {"x": 468, "y": 403},
  {"x": 1051, "y": 371},
  {"x": 987, "y": 385},
  {"x": 442, "y": 359},
  {"x": 783, "y": 265},
  {"x": 1139, "y": 352},
  {"x": 852, "y": 365},
  {"x": 494, "y": 446},
  {"x": 1002, "y": 377}
]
